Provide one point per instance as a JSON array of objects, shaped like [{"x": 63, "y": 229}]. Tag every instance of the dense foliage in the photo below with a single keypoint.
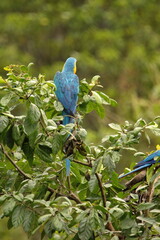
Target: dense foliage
[
  {"x": 92, "y": 203},
  {"x": 117, "y": 39}
]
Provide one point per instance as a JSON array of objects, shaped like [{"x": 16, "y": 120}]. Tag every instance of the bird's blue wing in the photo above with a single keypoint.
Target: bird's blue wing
[
  {"x": 149, "y": 159},
  {"x": 67, "y": 90},
  {"x": 147, "y": 162},
  {"x": 135, "y": 170}
]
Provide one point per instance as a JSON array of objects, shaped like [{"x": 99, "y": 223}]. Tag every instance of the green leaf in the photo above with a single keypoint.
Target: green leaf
[
  {"x": 84, "y": 230},
  {"x": 49, "y": 228},
  {"x": 8, "y": 206},
  {"x": 44, "y": 218},
  {"x": 16, "y": 132},
  {"x": 44, "y": 117},
  {"x": 56, "y": 143},
  {"x": 127, "y": 223},
  {"x": 145, "y": 206},
  {"x": 108, "y": 162},
  {"x": 116, "y": 212},
  {"x": 30, "y": 221},
  {"x": 115, "y": 126},
  {"x": 28, "y": 151},
  {"x": 6, "y": 99},
  {"x": 43, "y": 152},
  {"x": 4, "y": 121},
  {"x": 156, "y": 131},
  {"x": 9, "y": 139},
  {"x": 94, "y": 81},
  {"x": 29, "y": 127},
  {"x": 96, "y": 97},
  {"x": 33, "y": 114},
  {"x": 147, "y": 220},
  {"x": 3, "y": 198},
  {"x": 18, "y": 215},
  {"x": 58, "y": 106},
  {"x": 97, "y": 166},
  {"x": 93, "y": 184}
]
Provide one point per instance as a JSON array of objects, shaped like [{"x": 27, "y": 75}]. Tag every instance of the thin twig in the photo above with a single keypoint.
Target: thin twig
[
  {"x": 82, "y": 163},
  {"x": 101, "y": 189},
  {"x": 14, "y": 164},
  {"x": 109, "y": 225}
]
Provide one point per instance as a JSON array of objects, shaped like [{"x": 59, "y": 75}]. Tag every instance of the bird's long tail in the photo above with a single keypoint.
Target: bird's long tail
[
  {"x": 66, "y": 120},
  {"x": 68, "y": 166},
  {"x": 135, "y": 170}
]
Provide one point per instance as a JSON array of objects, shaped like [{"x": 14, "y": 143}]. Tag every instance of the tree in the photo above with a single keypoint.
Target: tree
[{"x": 92, "y": 204}]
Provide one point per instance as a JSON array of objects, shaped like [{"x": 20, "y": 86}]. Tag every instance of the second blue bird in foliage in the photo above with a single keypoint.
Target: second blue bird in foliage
[
  {"x": 147, "y": 162},
  {"x": 67, "y": 89}
]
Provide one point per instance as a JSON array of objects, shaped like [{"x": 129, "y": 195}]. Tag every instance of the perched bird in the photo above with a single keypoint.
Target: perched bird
[
  {"x": 67, "y": 89},
  {"x": 147, "y": 162}
]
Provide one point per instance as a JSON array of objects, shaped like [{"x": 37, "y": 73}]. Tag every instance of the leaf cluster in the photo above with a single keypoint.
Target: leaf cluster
[{"x": 92, "y": 204}]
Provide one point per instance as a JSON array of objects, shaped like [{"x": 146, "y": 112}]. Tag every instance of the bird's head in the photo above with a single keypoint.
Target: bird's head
[{"x": 70, "y": 65}]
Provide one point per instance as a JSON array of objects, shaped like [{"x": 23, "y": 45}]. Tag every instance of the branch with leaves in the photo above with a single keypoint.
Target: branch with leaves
[{"x": 34, "y": 189}]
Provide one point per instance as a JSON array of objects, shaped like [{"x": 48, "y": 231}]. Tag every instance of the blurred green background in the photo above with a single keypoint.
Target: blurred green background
[{"x": 116, "y": 39}]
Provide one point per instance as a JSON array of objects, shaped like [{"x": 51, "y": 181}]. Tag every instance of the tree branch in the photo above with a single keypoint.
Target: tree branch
[
  {"x": 82, "y": 163},
  {"x": 14, "y": 164},
  {"x": 109, "y": 225},
  {"x": 101, "y": 189},
  {"x": 71, "y": 196}
]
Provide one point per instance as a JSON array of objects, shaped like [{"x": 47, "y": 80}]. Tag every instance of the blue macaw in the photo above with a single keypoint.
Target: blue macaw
[
  {"x": 147, "y": 162},
  {"x": 67, "y": 89}
]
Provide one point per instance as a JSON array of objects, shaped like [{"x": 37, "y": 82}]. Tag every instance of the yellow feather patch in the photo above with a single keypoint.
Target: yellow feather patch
[
  {"x": 158, "y": 147},
  {"x": 75, "y": 69}
]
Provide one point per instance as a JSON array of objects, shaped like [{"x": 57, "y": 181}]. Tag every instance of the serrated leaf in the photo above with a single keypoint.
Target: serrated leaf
[
  {"x": 4, "y": 121},
  {"x": 33, "y": 113},
  {"x": 43, "y": 152},
  {"x": 93, "y": 184},
  {"x": 127, "y": 223},
  {"x": 97, "y": 166},
  {"x": 16, "y": 132},
  {"x": 156, "y": 131},
  {"x": 49, "y": 228},
  {"x": 29, "y": 127},
  {"x": 6, "y": 99},
  {"x": 3, "y": 198},
  {"x": 116, "y": 212},
  {"x": 8, "y": 206},
  {"x": 8, "y": 138},
  {"x": 147, "y": 220},
  {"x": 44, "y": 117},
  {"x": 115, "y": 126},
  {"x": 56, "y": 143},
  {"x": 28, "y": 151},
  {"x": 84, "y": 230},
  {"x": 18, "y": 215},
  {"x": 30, "y": 221},
  {"x": 95, "y": 80},
  {"x": 44, "y": 218},
  {"x": 108, "y": 162},
  {"x": 97, "y": 97},
  {"x": 145, "y": 206},
  {"x": 58, "y": 106}
]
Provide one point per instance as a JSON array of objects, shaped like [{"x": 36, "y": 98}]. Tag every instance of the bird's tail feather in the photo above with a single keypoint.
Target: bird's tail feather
[
  {"x": 135, "y": 170},
  {"x": 67, "y": 118},
  {"x": 68, "y": 165}
]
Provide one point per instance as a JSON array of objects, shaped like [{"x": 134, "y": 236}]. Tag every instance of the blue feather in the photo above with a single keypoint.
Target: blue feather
[
  {"x": 147, "y": 162},
  {"x": 67, "y": 89},
  {"x": 68, "y": 166}
]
